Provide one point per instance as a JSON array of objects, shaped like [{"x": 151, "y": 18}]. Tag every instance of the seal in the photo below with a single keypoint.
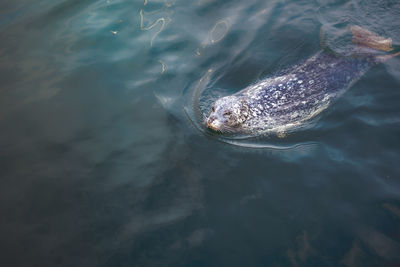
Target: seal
[{"x": 281, "y": 103}]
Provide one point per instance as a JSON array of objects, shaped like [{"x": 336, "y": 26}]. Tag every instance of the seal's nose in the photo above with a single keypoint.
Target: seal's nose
[
  {"x": 210, "y": 120},
  {"x": 212, "y": 123}
]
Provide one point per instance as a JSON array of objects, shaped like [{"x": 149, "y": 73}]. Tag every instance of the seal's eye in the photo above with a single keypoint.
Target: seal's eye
[{"x": 227, "y": 113}]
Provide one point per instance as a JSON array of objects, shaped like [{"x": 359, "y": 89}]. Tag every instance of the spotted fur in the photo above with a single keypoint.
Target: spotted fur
[{"x": 283, "y": 102}]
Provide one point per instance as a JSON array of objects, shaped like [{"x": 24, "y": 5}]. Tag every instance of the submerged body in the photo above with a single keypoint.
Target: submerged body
[{"x": 281, "y": 103}]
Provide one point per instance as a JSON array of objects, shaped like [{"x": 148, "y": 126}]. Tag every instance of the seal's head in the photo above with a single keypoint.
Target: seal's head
[{"x": 227, "y": 114}]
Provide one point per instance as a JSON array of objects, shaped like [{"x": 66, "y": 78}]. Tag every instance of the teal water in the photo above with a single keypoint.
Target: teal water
[{"x": 104, "y": 161}]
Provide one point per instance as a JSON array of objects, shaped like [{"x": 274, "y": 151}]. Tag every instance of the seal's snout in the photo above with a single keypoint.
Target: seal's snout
[{"x": 213, "y": 123}]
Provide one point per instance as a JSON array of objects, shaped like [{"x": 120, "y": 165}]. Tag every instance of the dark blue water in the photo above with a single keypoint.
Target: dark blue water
[{"x": 103, "y": 161}]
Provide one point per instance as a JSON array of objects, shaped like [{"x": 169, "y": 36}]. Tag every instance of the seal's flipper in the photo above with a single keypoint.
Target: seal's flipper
[
  {"x": 366, "y": 38},
  {"x": 387, "y": 57}
]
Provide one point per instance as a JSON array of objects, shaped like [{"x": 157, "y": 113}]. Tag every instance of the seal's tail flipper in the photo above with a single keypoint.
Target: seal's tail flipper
[
  {"x": 369, "y": 39},
  {"x": 387, "y": 57},
  {"x": 364, "y": 37}
]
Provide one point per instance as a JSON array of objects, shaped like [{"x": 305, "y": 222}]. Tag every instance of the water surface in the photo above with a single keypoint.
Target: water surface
[{"x": 104, "y": 164}]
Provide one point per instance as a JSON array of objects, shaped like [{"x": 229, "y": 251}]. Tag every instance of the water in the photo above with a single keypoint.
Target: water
[{"x": 104, "y": 161}]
